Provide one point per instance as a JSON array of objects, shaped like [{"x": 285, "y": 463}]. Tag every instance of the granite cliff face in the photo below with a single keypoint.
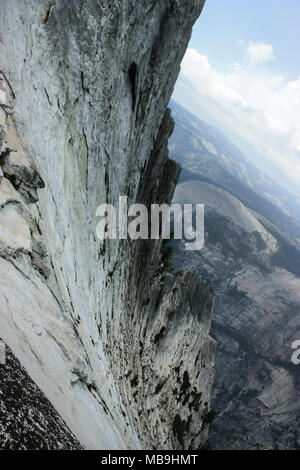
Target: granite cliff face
[{"x": 121, "y": 349}]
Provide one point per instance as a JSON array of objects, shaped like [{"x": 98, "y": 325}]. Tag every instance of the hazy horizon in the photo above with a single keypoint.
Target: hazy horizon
[{"x": 245, "y": 80}]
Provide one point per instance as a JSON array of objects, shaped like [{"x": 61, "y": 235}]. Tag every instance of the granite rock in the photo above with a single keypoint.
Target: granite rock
[{"x": 121, "y": 349}]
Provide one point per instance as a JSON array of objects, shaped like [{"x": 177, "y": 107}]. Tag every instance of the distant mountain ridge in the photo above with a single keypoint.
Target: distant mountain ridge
[
  {"x": 210, "y": 154},
  {"x": 251, "y": 258}
]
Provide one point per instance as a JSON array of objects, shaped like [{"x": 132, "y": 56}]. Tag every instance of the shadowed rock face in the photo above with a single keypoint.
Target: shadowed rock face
[
  {"x": 28, "y": 420},
  {"x": 120, "y": 348}
]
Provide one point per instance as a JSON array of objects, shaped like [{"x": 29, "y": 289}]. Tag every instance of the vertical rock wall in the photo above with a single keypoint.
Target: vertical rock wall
[{"x": 121, "y": 349}]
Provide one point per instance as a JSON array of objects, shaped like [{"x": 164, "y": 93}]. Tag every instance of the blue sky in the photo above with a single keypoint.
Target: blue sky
[
  {"x": 223, "y": 22},
  {"x": 241, "y": 73}
]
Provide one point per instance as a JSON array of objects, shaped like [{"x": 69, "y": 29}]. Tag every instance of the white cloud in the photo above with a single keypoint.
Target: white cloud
[
  {"x": 253, "y": 103},
  {"x": 260, "y": 52}
]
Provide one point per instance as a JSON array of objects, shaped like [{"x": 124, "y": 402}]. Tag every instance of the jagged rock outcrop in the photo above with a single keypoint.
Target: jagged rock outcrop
[{"x": 120, "y": 349}]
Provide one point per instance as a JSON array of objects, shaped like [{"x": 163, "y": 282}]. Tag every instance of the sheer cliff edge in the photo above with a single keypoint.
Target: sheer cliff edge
[{"x": 119, "y": 347}]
